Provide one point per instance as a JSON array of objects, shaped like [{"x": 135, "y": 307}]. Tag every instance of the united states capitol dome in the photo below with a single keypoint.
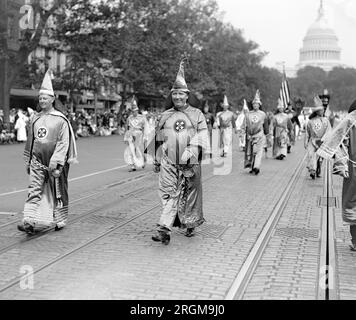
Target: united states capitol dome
[{"x": 320, "y": 45}]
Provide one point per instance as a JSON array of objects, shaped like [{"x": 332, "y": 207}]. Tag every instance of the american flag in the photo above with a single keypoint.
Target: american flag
[{"x": 284, "y": 92}]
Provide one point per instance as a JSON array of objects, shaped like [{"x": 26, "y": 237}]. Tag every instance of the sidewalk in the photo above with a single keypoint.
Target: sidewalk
[{"x": 127, "y": 264}]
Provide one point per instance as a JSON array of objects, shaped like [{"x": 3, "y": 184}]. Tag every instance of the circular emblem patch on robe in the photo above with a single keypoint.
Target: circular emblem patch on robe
[
  {"x": 42, "y": 133},
  {"x": 317, "y": 126},
  {"x": 254, "y": 119},
  {"x": 179, "y": 125}
]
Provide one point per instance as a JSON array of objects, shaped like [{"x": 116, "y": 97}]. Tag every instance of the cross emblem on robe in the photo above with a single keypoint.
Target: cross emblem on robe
[
  {"x": 41, "y": 133},
  {"x": 179, "y": 125}
]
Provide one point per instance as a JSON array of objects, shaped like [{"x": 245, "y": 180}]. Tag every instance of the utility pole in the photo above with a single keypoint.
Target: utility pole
[{"x": 4, "y": 90}]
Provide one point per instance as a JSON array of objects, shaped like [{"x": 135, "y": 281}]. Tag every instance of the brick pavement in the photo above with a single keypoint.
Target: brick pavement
[
  {"x": 127, "y": 264},
  {"x": 289, "y": 267}
]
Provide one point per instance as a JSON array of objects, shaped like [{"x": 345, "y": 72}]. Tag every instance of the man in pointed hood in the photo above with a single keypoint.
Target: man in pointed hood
[
  {"x": 256, "y": 127},
  {"x": 281, "y": 125},
  {"x": 318, "y": 126},
  {"x": 226, "y": 122},
  {"x": 339, "y": 145},
  {"x": 181, "y": 139},
  {"x": 49, "y": 150},
  {"x": 210, "y": 120},
  {"x": 239, "y": 125},
  {"x": 135, "y": 130}
]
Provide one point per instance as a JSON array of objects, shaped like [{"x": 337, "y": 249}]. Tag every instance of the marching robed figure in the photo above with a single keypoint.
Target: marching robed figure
[
  {"x": 135, "y": 130},
  {"x": 225, "y": 121},
  {"x": 49, "y": 151},
  {"x": 318, "y": 126},
  {"x": 282, "y": 125},
  {"x": 239, "y": 126},
  {"x": 340, "y": 144},
  {"x": 210, "y": 120},
  {"x": 181, "y": 139},
  {"x": 256, "y": 125}
]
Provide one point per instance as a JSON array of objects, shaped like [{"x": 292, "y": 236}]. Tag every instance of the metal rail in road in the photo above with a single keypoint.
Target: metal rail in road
[
  {"x": 327, "y": 286},
  {"x": 242, "y": 279},
  {"x": 327, "y": 279}
]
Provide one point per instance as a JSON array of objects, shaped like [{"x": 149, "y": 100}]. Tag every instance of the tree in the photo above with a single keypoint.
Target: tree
[
  {"x": 33, "y": 24},
  {"x": 340, "y": 82}
]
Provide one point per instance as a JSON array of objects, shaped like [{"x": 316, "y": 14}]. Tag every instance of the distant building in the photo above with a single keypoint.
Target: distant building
[{"x": 320, "y": 45}]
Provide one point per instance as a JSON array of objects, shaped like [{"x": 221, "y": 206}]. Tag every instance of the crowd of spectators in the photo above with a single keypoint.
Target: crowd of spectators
[{"x": 85, "y": 123}]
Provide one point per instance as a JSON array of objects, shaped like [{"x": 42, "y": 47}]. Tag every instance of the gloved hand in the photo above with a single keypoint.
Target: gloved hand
[
  {"x": 52, "y": 166},
  {"x": 56, "y": 173},
  {"x": 186, "y": 155}
]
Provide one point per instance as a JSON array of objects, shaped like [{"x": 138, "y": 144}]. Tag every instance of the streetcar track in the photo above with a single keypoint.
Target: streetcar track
[
  {"x": 76, "y": 218},
  {"x": 242, "y": 279},
  {"x": 87, "y": 243},
  {"x": 92, "y": 194},
  {"x": 327, "y": 281}
]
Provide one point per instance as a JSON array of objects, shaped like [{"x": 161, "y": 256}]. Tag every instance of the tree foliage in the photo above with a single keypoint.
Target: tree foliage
[
  {"x": 340, "y": 83},
  {"x": 145, "y": 40}
]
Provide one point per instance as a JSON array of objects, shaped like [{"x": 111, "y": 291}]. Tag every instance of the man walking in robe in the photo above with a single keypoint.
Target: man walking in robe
[
  {"x": 317, "y": 127},
  {"x": 239, "y": 126},
  {"x": 226, "y": 123},
  {"x": 256, "y": 125},
  {"x": 341, "y": 145},
  {"x": 292, "y": 114},
  {"x": 135, "y": 130},
  {"x": 325, "y": 98},
  {"x": 281, "y": 126},
  {"x": 181, "y": 139},
  {"x": 210, "y": 120},
  {"x": 49, "y": 150}
]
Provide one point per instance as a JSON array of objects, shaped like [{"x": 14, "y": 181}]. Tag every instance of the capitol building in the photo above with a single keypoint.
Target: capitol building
[{"x": 320, "y": 45}]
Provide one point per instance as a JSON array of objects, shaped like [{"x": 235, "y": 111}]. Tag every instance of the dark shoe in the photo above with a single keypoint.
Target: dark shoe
[
  {"x": 25, "y": 227},
  {"x": 288, "y": 149},
  {"x": 161, "y": 236},
  {"x": 21, "y": 227},
  {"x": 190, "y": 232},
  {"x": 312, "y": 175},
  {"x": 257, "y": 171},
  {"x": 352, "y": 247},
  {"x": 252, "y": 171},
  {"x": 132, "y": 169}
]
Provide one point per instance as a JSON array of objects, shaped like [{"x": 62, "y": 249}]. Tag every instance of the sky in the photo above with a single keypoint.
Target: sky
[{"x": 279, "y": 26}]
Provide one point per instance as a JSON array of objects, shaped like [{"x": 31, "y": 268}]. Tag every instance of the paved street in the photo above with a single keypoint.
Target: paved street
[{"x": 106, "y": 251}]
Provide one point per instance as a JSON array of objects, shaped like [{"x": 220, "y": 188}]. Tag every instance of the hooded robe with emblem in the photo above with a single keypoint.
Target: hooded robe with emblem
[
  {"x": 256, "y": 127},
  {"x": 340, "y": 144},
  {"x": 317, "y": 128},
  {"x": 180, "y": 186},
  {"x": 51, "y": 140},
  {"x": 282, "y": 125},
  {"x": 226, "y": 122},
  {"x": 134, "y": 137}
]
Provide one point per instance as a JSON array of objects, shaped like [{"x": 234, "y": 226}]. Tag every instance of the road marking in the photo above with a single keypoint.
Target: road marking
[
  {"x": 70, "y": 180},
  {"x": 8, "y": 213}
]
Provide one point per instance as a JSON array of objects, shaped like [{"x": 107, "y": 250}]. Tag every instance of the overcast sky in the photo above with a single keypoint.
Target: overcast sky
[{"x": 279, "y": 26}]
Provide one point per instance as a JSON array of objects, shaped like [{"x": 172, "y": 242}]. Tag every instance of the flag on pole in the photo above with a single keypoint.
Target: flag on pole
[{"x": 284, "y": 93}]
